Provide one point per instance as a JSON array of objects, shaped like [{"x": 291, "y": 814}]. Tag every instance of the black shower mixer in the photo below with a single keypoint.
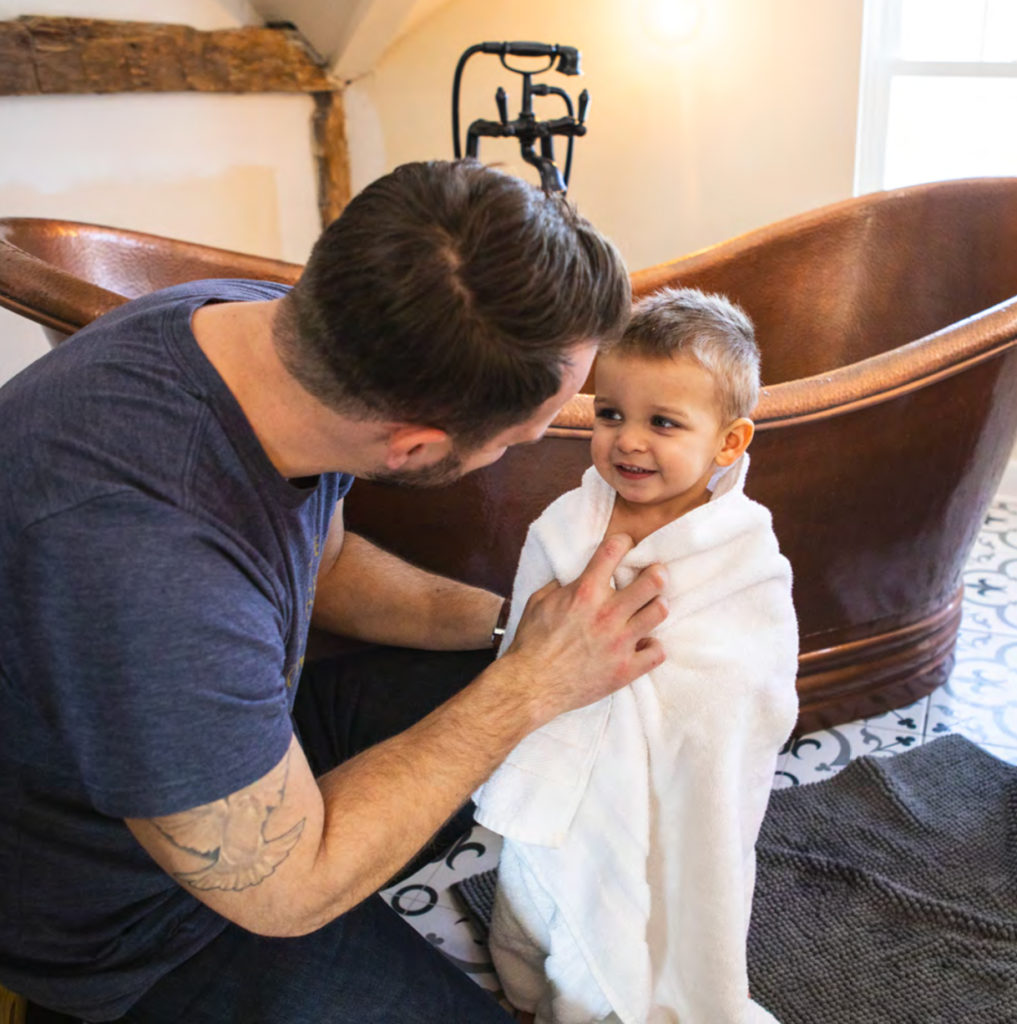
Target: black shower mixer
[{"x": 526, "y": 128}]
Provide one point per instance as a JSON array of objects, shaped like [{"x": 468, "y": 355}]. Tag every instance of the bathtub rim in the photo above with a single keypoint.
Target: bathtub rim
[
  {"x": 657, "y": 275},
  {"x": 59, "y": 300}
]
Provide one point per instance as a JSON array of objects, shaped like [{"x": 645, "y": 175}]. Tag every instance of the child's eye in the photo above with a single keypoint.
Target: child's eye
[
  {"x": 663, "y": 421},
  {"x": 608, "y": 414}
]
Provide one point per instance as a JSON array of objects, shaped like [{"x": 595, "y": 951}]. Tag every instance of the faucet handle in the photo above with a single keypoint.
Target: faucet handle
[
  {"x": 584, "y": 105},
  {"x": 501, "y": 98}
]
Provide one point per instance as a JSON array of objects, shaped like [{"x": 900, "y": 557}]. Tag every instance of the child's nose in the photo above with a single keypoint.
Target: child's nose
[{"x": 631, "y": 438}]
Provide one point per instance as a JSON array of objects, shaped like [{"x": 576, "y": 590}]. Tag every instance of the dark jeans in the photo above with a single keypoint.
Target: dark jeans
[{"x": 368, "y": 965}]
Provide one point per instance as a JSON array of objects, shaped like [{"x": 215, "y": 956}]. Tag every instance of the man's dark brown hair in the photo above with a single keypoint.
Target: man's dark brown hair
[{"x": 448, "y": 294}]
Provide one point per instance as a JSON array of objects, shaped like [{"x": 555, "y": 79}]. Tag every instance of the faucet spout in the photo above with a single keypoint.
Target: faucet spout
[{"x": 550, "y": 177}]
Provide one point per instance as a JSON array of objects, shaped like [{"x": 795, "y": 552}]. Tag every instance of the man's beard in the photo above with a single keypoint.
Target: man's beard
[{"x": 444, "y": 472}]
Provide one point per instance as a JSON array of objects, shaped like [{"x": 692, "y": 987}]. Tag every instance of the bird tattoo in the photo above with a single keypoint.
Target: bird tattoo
[{"x": 230, "y": 835}]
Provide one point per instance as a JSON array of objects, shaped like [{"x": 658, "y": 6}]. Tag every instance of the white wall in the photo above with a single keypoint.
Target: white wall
[
  {"x": 233, "y": 171},
  {"x": 750, "y": 120}
]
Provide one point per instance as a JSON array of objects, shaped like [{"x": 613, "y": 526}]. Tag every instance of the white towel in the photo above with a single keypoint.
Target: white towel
[{"x": 626, "y": 877}]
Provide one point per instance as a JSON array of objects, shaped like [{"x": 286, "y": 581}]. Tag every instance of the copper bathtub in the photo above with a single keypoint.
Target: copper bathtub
[{"x": 888, "y": 327}]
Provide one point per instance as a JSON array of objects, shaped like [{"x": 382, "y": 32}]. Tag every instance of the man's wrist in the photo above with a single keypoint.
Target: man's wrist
[{"x": 522, "y": 700}]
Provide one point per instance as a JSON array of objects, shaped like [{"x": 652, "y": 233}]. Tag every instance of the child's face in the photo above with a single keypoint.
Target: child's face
[{"x": 657, "y": 431}]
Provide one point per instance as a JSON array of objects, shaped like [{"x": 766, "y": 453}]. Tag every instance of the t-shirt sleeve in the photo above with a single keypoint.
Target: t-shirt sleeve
[{"x": 156, "y": 647}]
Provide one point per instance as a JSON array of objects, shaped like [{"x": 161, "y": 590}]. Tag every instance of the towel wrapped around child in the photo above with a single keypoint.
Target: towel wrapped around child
[{"x": 626, "y": 877}]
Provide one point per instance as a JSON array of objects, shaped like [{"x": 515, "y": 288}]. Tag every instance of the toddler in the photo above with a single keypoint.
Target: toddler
[{"x": 626, "y": 875}]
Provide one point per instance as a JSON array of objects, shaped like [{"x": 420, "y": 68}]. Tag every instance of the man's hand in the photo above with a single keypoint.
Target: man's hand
[{"x": 578, "y": 643}]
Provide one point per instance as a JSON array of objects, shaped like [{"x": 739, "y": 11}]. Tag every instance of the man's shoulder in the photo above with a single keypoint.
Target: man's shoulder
[
  {"x": 186, "y": 297},
  {"x": 215, "y": 289},
  {"x": 212, "y": 289},
  {"x": 122, "y": 404}
]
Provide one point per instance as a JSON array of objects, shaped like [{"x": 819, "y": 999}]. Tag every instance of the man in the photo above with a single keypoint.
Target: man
[{"x": 172, "y": 525}]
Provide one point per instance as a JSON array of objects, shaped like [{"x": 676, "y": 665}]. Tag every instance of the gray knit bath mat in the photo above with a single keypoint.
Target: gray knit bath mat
[
  {"x": 889, "y": 893},
  {"x": 886, "y": 894},
  {"x": 476, "y": 894}
]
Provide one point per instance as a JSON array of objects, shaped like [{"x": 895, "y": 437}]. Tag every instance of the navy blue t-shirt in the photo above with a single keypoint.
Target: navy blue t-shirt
[{"x": 156, "y": 581}]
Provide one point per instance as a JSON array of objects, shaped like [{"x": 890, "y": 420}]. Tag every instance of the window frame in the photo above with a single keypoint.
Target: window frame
[{"x": 881, "y": 29}]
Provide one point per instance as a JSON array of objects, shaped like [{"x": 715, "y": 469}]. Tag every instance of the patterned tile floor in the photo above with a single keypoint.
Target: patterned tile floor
[{"x": 979, "y": 701}]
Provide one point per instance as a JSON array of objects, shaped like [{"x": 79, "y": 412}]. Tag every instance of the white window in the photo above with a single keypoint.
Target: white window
[{"x": 938, "y": 92}]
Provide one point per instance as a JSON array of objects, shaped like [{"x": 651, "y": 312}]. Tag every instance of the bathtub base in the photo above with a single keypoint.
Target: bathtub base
[{"x": 876, "y": 674}]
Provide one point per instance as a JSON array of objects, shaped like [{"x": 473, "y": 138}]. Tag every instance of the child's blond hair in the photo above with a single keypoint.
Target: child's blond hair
[{"x": 710, "y": 329}]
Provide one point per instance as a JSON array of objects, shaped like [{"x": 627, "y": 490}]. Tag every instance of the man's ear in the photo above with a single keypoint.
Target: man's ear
[
  {"x": 409, "y": 446},
  {"x": 736, "y": 440}
]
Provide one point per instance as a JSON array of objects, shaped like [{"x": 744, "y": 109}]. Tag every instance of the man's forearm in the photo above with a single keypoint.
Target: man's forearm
[{"x": 373, "y": 595}]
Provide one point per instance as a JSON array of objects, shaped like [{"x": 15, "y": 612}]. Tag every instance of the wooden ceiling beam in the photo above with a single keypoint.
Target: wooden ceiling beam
[
  {"x": 45, "y": 56},
  {"x": 41, "y": 56}
]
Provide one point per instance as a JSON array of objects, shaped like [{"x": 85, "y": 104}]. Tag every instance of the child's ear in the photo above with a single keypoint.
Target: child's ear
[{"x": 736, "y": 440}]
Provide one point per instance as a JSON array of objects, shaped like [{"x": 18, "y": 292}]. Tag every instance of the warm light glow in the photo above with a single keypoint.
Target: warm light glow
[{"x": 671, "y": 21}]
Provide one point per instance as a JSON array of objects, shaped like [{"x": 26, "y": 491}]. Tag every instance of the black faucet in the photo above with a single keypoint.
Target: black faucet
[{"x": 526, "y": 128}]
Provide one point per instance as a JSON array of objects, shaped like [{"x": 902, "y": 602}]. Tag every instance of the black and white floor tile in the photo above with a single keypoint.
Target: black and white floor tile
[
  {"x": 427, "y": 903},
  {"x": 979, "y": 701}
]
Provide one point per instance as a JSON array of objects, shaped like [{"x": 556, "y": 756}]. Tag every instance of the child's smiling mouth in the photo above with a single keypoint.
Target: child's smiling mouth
[{"x": 633, "y": 472}]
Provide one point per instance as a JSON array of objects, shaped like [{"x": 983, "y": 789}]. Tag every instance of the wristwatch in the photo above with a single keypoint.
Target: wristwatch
[{"x": 499, "y": 627}]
